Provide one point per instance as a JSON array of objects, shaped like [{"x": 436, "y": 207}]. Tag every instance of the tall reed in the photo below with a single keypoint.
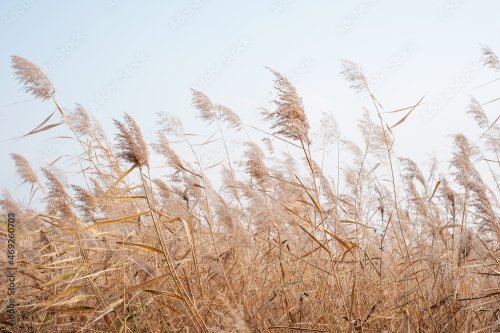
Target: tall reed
[{"x": 278, "y": 243}]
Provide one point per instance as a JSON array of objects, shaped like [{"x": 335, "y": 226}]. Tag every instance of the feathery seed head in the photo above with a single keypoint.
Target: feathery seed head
[
  {"x": 58, "y": 199},
  {"x": 228, "y": 116},
  {"x": 353, "y": 73},
  {"x": 164, "y": 191},
  {"x": 163, "y": 148},
  {"x": 289, "y": 118},
  {"x": 9, "y": 204},
  {"x": 170, "y": 124},
  {"x": 254, "y": 163},
  {"x": 204, "y": 106},
  {"x": 131, "y": 144},
  {"x": 24, "y": 169},
  {"x": 87, "y": 201},
  {"x": 413, "y": 171},
  {"x": 478, "y": 114},
  {"x": 329, "y": 131},
  {"x": 80, "y": 119},
  {"x": 33, "y": 79},
  {"x": 490, "y": 59},
  {"x": 373, "y": 134},
  {"x": 269, "y": 145},
  {"x": 461, "y": 160}
]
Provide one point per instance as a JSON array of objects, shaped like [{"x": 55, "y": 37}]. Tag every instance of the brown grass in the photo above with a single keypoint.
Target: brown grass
[{"x": 277, "y": 247}]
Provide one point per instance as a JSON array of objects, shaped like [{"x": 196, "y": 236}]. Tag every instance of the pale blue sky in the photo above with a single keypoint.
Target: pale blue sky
[{"x": 142, "y": 57}]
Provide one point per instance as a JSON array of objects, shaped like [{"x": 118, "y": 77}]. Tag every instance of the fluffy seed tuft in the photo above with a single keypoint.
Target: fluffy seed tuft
[
  {"x": 289, "y": 118},
  {"x": 131, "y": 145},
  {"x": 33, "y": 79},
  {"x": 24, "y": 169}
]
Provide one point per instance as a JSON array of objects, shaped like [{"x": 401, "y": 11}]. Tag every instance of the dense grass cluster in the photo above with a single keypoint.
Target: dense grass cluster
[{"x": 276, "y": 246}]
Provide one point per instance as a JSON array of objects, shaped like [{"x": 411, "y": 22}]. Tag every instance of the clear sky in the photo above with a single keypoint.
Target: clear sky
[{"x": 142, "y": 57}]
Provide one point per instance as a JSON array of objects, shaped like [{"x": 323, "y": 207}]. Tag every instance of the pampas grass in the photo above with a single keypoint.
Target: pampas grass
[
  {"x": 289, "y": 118},
  {"x": 24, "y": 169},
  {"x": 32, "y": 78},
  {"x": 130, "y": 143},
  {"x": 490, "y": 59},
  {"x": 278, "y": 243}
]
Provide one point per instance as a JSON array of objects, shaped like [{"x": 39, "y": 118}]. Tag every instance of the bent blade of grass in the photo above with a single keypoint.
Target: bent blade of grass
[
  {"x": 109, "y": 309},
  {"x": 43, "y": 129},
  {"x": 435, "y": 189},
  {"x": 39, "y": 126},
  {"x": 356, "y": 222},
  {"x": 121, "y": 178},
  {"x": 130, "y": 198},
  {"x": 125, "y": 219},
  {"x": 348, "y": 245},
  {"x": 65, "y": 293},
  {"x": 97, "y": 273},
  {"x": 60, "y": 278},
  {"x": 323, "y": 246},
  {"x": 72, "y": 310},
  {"x": 409, "y": 112},
  {"x": 76, "y": 299},
  {"x": 142, "y": 247},
  {"x": 164, "y": 293},
  {"x": 146, "y": 283}
]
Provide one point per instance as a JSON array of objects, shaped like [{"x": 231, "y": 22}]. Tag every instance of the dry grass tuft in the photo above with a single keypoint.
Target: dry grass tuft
[
  {"x": 131, "y": 145},
  {"x": 490, "y": 59},
  {"x": 24, "y": 169},
  {"x": 289, "y": 118},
  {"x": 33, "y": 79}
]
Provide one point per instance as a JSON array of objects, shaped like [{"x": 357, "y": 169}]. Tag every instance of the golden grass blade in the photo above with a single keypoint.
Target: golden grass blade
[
  {"x": 130, "y": 198},
  {"x": 309, "y": 195},
  {"x": 355, "y": 222},
  {"x": 409, "y": 112},
  {"x": 76, "y": 299},
  {"x": 491, "y": 101},
  {"x": 435, "y": 189},
  {"x": 348, "y": 245},
  {"x": 66, "y": 293},
  {"x": 274, "y": 136},
  {"x": 142, "y": 247},
  {"x": 164, "y": 293},
  {"x": 146, "y": 283},
  {"x": 109, "y": 309},
  {"x": 323, "y": 246},
  {"x": 399, "y": 110},
  {"x": 43, "y": 129},
  {"x": 40, "y": 125},
  {"x": 449, "y": 226},
  {"x": 60, "y": 278},
  {"x": 125, "y": 219},
  {"x": 182, "y": 167},
  {"x": 121, "y": 178},
  {"x": 83, "y": 309},
  {"x": 97, "y": 274}
]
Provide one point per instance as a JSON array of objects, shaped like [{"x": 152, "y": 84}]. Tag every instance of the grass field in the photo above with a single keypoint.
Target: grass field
[{"x": 276, "y": 243}]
